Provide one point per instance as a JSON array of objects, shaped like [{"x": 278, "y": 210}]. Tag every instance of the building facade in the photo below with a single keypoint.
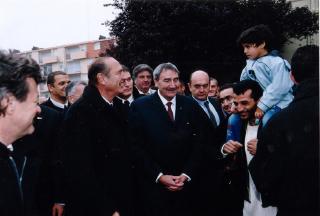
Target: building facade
[{"x": 74, "y": 59}]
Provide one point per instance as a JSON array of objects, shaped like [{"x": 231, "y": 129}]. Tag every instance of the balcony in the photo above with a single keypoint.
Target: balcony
[
  {"x": 49, "y": 59},
  {"x": 77, "y": 55}
]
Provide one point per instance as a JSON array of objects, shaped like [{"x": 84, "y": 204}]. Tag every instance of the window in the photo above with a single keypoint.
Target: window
[
  {"x": 70, "y": 50},
  {"x": 73, "y": 67},
  {"x": 47, "y": 69},
  {"x": 44, "y": 54},
  {"x": 96, "y": 46}
]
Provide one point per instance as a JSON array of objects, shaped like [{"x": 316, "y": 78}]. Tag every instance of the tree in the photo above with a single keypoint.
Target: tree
[{"x": 201, "y": 34}]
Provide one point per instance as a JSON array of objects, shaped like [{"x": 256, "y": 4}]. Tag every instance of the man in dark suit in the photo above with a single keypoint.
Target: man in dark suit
[
  {"x": 165, "y": 135},
  {"x": 286, "y": 166},
  {"x": 209, "y": 185},
  {"x": 246, "y": 199},
  {"x": 125, "y": 95},
  {"x": 18, "y": 107},
  {"x": 142, "y": 76},
  {"x": 46, "y": 188},
  {"x": 95, "y": 151},
  {"x": 57, "y": 82}
]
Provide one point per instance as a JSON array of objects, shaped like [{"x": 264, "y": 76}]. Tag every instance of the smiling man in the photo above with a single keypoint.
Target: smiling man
[
  {"x": 95, "y": 150},
  {"x": 164, "y": 131},
  {"x": 246, "y": 199},
  {"x": 18, "y": 107},
  {"x": 57, "y": 83}
]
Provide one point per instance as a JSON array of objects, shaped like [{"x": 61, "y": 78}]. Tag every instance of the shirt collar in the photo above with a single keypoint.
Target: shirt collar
[
  {"x": 130, "y": 99},
  {"x": 108, "y": 102},
  {"x": 200, "y": 101},
  {"x": 150, "y": 91},
  {"x": 165, "y": 101},
  {"x": 58, "y": 104},
  {"x": 10, "y": 147}
]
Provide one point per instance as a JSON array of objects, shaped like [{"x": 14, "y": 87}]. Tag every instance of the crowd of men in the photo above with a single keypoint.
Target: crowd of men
[{"x": 134, "y": 144}]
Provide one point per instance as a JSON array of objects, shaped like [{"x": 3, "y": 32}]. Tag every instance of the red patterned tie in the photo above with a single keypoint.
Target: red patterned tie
[{"x": 170, "y": 113}]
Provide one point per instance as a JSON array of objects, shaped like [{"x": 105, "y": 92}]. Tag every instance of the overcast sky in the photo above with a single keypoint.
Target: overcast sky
[{"x": 48, "y": 23}]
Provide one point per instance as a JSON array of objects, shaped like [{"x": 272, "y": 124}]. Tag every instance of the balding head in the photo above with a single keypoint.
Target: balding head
[{"x": 199, "y": 85}]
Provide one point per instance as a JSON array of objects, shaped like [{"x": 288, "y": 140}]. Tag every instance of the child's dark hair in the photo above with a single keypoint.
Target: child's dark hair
[{"x": 257, "y": 35}]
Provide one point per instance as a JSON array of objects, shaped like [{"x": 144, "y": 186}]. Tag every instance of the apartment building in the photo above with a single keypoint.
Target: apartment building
[{"x": 73, "y": 59}]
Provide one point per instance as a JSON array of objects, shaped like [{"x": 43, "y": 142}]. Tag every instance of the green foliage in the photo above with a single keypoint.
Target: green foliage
[{"x": 201, "y": 34}]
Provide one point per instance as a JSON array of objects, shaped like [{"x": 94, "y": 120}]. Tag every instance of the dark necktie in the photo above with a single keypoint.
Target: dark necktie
[
  {"x": 211, "y": 116},
  {"x": 126, "y": 106},
  {"x": 170, "y": 113}
]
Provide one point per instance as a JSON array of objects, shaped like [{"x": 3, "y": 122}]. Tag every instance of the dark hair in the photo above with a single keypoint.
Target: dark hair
[
  {"x": 72, "y": 85},
  {"x": 125, "y": 69},
  {"x": 242, "y": 86},
  {"x": 139, "y": 68},
  {"x": 14, "y": 70},
  {"x": 305, "y": 63},
  {"x": 257, "y": 35},
  {"x": 98, "y": 66},
  {"x": 226, "y": 86},
  {"x": 52, "y": 75}
]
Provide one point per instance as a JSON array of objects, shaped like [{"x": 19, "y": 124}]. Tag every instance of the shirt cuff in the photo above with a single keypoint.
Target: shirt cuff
[
  {"x": 263, "y": 107},
  {"x": 157, "y": 179},
  {"x": 188, "y": 177},
  {"x": 223, "y": 154}
]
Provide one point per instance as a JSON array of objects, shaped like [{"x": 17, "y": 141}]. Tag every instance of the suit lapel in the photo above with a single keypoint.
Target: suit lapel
[
  {"x": 217, "y": 108},
  {"x": 179, "y": 109}
]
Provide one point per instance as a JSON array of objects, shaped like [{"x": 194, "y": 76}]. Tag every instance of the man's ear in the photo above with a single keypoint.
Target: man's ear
[
  {"x": 156, "y": 83},
  {"x": 9, "y": 103},
  {"x": 189, "y": 85},
  {"x": 50, "y": 87},
  {"x": 100, "y": 78}
]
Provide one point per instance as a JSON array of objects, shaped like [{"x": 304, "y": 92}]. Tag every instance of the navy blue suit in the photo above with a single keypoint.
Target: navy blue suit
[{"x": 161, "y": 145}]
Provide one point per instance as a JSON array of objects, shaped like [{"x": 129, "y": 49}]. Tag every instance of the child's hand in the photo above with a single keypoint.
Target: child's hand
[{"x": 259, "y": 113}]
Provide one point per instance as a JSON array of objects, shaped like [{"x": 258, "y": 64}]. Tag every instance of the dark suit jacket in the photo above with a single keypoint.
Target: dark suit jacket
[
  {"x": 49, "y": 103},
  {"x": 215, "y": 137},
  {"x": 136, "y": 94},
  {"x": 45, "y": 187},
  {"x": 209, "y": 183},
  {"x": 161, "y": 145},
  {"x": 11, "y": 203},
  {"x": 286, "y": 166},
  {"x": 95, "y": 155}
]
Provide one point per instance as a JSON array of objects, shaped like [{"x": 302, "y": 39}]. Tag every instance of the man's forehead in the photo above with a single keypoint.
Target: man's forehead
[
  {"x": 168, "y": 74},
  {"x": 227, "y": 91},
  {"x": 125, "y": 74},
  {"x": 144, "y": 73},
  {"x": 60, "y": 77},
  {"x": 245, "y": 96}
]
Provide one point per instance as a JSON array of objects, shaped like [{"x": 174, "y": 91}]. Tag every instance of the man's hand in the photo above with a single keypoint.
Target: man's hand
[
  {"x": 231, "y": 147},
  {"x": 259, "y": 113},
  {"x": 57, "y": 210},
  {"x": 252, "y": 146},
  {"x": 172, "y": 183}
]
